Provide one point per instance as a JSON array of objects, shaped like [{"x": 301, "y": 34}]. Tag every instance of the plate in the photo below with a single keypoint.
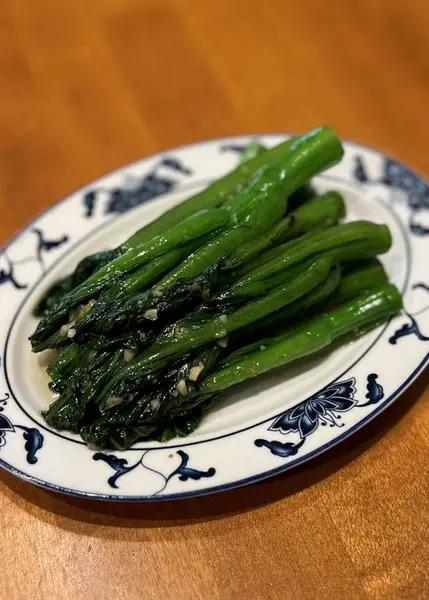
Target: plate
[{"x": 258, "y": 429}]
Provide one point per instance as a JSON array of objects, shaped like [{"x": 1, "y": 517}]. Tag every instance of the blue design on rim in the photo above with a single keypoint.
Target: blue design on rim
[
  {"x": 238, "y": 148},
  {"x": 43, "y": 245},
  {"x": 8, "y": 276},
  {"x": 33, "y": 437},
  {"x": 46, "y": 245},
  {"x": 321, "y": 408},
  {"x": 400, "y": 177},
  {"x": 408, "y": 329},
  {"x": 34, "y": 441},
  {"x": 412, "y": 327},
  {"x": 122, "y": 198},
  {"x": 260, "y": 476},
  {"x": 121, "y": 467},
  {"x": 186, "y": 472},
  {"x": 280, "y": 449},
  {"x": 375, "y": 391},
  {"x": 227, "y": 486}
]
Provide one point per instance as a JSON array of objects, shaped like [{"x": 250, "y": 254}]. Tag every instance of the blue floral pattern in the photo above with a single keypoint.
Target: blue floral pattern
[
  {"x": 121, "y": 467},
  {"x": 412, "y": 327},
  {"x": 7, "y": 275},
  {"x": 32, "y": 436},
  {"x": 238, "y": 148},
  {"x": 319, "y": 409},
  {"x": 120, "y": 199},
  {"x": 284, "y": 450},
  {"x": 399, "y": 177},
  {"x": 43, "y": 245},
  {"x": 323, "y": 408}
]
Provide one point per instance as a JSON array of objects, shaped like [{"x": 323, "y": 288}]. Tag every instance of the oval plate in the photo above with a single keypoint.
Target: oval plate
[{"x": 258, "y": 429}]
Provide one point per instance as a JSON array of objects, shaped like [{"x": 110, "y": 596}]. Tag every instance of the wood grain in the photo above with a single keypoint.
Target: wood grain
[{"x": 89, "y": 85}]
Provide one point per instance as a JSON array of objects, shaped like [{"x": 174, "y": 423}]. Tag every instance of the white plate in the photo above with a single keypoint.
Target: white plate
[{"x": 258, "y": 429}]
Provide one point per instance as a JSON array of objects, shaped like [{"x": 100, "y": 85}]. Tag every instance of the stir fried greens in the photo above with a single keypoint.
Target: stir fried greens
[{"x": 252, "y": 273}]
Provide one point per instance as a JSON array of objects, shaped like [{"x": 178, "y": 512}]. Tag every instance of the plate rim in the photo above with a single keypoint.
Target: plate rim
[{"x": 238, "y": 482}]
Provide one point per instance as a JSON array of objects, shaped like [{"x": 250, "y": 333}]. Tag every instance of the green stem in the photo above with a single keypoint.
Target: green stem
[
  {"x": 181, "y": 337},
  {"x": 308, "y": 338},
  {"x": 340, "y": 242}
]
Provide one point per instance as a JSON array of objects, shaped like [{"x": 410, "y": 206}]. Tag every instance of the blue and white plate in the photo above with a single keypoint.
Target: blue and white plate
[{"x": 256, "y": 430}]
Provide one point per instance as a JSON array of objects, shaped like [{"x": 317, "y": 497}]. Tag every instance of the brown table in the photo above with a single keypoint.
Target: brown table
[{"x": 87, "y": 85}]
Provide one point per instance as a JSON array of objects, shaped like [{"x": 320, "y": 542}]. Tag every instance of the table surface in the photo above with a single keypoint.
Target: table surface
[{"x": 87, "y": 85}]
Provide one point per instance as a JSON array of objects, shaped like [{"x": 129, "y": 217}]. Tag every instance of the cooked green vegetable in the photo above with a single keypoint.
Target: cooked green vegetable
[
  {"x": 253, "y": 211},
  {"x": 199, "y": 329},
  {"x": 335, "y": 289},
  {"x": 159, "y": 411},
  {"x": 125, "y": 424},
  {"x": 180, "y": 338},
  {"x": 225, "y": 187},
  {"x": 252, "y": 150},
  {"x": 370, "y": 307},
  {"x": 148, "y": 333},
  {"x": 87, "y": 267},
  {"x": 197, "y": 226},
  {"x": 268, "y": 188},
  {"x": 217, "y": 193},
  {"x": 318, "y": 213},
  {"x": 211, "y": 197},
  {"x": 361, "y": 276},
  {"x": 350, "y": 241}
]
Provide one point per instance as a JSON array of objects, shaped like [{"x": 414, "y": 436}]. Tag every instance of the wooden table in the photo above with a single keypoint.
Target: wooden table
[{"x": 87, "y": 85}]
